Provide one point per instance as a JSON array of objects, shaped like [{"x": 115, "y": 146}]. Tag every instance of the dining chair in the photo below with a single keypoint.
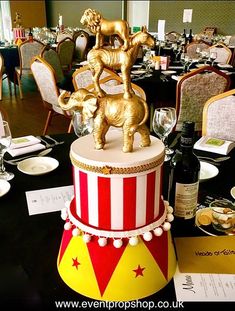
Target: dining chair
[
  {"x": 193, "y": 47},
  {"x": 45, "y": 78},
  {"x": 194, "y": 89},
  {"x": 218, "y": 116},
  {"x": 3, "y": 75},
  {"x": 82, "y": 77},
  {"x": 81, "y": 39},
  {"x": 63, "y": 35},
  {"x": 172, "y": 36},
  {"x": 65, "y": 50},
  {"x": 113, "y": 84},
  {"x": 27, "y": 50},
  {"x": 52, "y": 57},
  {"x": 223, "y": 53}
]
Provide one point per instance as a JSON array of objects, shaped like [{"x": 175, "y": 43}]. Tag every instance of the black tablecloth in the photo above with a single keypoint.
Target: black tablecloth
[
  {"x": 30, "y": 244},
  {"x": 11, "y": 59}
]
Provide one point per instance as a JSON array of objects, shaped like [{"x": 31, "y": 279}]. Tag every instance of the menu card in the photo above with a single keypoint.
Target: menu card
[
  {"x": 204, "y": 287},
  {"x": 48, "y": 200}
]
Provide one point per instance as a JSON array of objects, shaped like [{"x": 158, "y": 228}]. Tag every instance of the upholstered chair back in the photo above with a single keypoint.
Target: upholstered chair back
[
  {"x": 65, "y": 50},
  {"x": 194, "y": 89},
  {"x": 81, "y": 39},
  {"x": 28, "y": 50},
  {"x": 52, "y": 57},
  {"x": 191, "y": 48},
  {"x": 82, "y": 77},
  {"x": 223, "y": 53},
  {"x": 218, "y": 116}
]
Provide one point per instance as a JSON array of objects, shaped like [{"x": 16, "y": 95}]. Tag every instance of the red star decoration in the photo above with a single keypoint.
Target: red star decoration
[
  {"x": 139, "y": 271},
  {"x": 75, "y": 262}
]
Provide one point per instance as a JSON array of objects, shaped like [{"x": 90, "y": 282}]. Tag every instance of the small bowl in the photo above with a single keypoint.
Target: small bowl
[{"x": 223, "y": 215}]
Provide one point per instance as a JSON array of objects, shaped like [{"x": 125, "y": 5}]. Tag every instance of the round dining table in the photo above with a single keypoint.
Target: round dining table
[{"x": 30, "y": 244}]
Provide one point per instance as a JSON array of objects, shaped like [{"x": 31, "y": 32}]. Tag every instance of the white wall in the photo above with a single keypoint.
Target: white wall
[{"x": 138, "y": 13}]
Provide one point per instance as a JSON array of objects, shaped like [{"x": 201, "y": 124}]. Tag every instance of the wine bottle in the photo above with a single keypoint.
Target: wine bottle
[
  {"x": 184, "y": 37},
  {"x": 184, "y": 182},
  {"x": 190, "y": 36},
  {"x": 30, "y": 35}
]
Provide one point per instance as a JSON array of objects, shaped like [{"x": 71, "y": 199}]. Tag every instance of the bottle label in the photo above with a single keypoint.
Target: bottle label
[{"x": 186, "y": 196}]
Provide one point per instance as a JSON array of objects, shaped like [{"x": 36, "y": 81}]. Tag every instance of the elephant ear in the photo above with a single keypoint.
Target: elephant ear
[{"x": 89, "y": 106}]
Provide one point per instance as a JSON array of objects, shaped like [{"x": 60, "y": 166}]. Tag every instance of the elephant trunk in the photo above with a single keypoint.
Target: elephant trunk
[
  {"x": 61, "y": 100},
  {"x": 134, "y": 128}
]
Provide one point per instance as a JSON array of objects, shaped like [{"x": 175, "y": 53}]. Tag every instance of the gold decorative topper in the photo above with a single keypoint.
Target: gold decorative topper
[
  {"x": 126, "y": 110},
  {"x": 18, "y": 20}
]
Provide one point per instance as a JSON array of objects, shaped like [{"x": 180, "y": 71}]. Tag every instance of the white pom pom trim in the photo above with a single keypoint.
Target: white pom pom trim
[
  {"x": 67, "y": 225},
  {"x": 86, "y": 237},
  {"x": 147, "y": 236},
  {"x": 117, "y": 243},
  {"x": 102, "y": 242},
  {"x": 133, "y": 241}
]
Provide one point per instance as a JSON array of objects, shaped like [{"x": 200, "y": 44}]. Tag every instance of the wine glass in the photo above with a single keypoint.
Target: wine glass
[
  {"x": 213, "y": 56},
  {"x": 5, "y": 142},
  {"x": 164, "y": 120},
  {"x": 174, "y": 119},
  {"x": 81, "y": 127}
]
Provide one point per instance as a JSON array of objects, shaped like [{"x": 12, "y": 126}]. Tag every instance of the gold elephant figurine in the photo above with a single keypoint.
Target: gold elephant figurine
[{"x": 111, "y": 110}]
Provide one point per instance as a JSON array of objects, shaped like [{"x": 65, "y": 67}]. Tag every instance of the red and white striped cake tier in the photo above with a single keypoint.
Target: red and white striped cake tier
[{"x": 117, "y": 191}]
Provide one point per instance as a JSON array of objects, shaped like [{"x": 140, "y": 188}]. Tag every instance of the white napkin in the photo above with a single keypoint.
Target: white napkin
[
  {"x": 18, "y": 151},
  {"x": 25, "y": 144}
]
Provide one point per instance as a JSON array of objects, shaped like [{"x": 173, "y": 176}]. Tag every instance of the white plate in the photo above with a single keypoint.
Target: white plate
[
  {"x": 38, "y": 165},
  {"x": 138, "y": 72},
  {"x": 232, "y": 191},
  {"x": 200, "y": 65},
  {"x": 207, "y": 171},
  {"x": 225, "y": 66},
  {"x": 168, "y": 72},
  {"x": 4, "y": 187}
]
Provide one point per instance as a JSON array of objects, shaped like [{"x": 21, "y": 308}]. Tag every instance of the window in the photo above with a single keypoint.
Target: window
[{"x": 5, "y": 21}]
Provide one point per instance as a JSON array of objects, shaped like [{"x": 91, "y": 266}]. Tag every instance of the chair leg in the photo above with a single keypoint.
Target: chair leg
[
  {"x": 1, "y": 88},
  {"x": 48, "y": 120},
  {"x": 9, "y": 84},
  {"x": 20, "y": 86}
]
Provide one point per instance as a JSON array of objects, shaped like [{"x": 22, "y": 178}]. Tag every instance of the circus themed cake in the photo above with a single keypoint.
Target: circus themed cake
[{"x": 117, "y": 226}]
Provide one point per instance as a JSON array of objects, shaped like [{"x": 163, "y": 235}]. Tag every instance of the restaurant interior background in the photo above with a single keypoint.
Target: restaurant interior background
[{"x": 217, "y": 14}]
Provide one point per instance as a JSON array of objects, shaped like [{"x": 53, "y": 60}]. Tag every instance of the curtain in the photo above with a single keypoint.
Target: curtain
[{"x": 5, "y": 21}]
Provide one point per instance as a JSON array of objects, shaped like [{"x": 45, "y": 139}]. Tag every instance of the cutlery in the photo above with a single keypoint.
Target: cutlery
[
  {"x": 175, "y": 141},
  {"x": 54, "y": 140},
  {"x": 40, "y": 154},
  {"x": 216, "y": 160},
  {"x": 49, "y": 145}
]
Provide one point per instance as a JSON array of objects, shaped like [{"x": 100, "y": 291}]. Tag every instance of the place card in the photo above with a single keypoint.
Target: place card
[
  {"x": 161, "y": 30},
  {"x": 48, "y": 200},
  {"x": 210, "y": 254},
  {"x": 187, "y": 16},
  {"x": 204, "y": 287}
]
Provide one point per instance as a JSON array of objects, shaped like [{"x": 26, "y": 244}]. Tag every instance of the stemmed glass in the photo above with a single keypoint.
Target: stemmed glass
[
  {"x": 80, "y": 126},
  {"x": 5, "y": 142},
  {"x": 164, "y": 119},
  {"x": 213, "y": 56}
]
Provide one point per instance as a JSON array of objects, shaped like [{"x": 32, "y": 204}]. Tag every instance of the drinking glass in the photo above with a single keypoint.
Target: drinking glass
[
  {"x": 5, "y": 142},
  {"x": 213, "y": 56},
  {"x": 80, "y": 126},
  {"x": 164, "y": 120}
]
